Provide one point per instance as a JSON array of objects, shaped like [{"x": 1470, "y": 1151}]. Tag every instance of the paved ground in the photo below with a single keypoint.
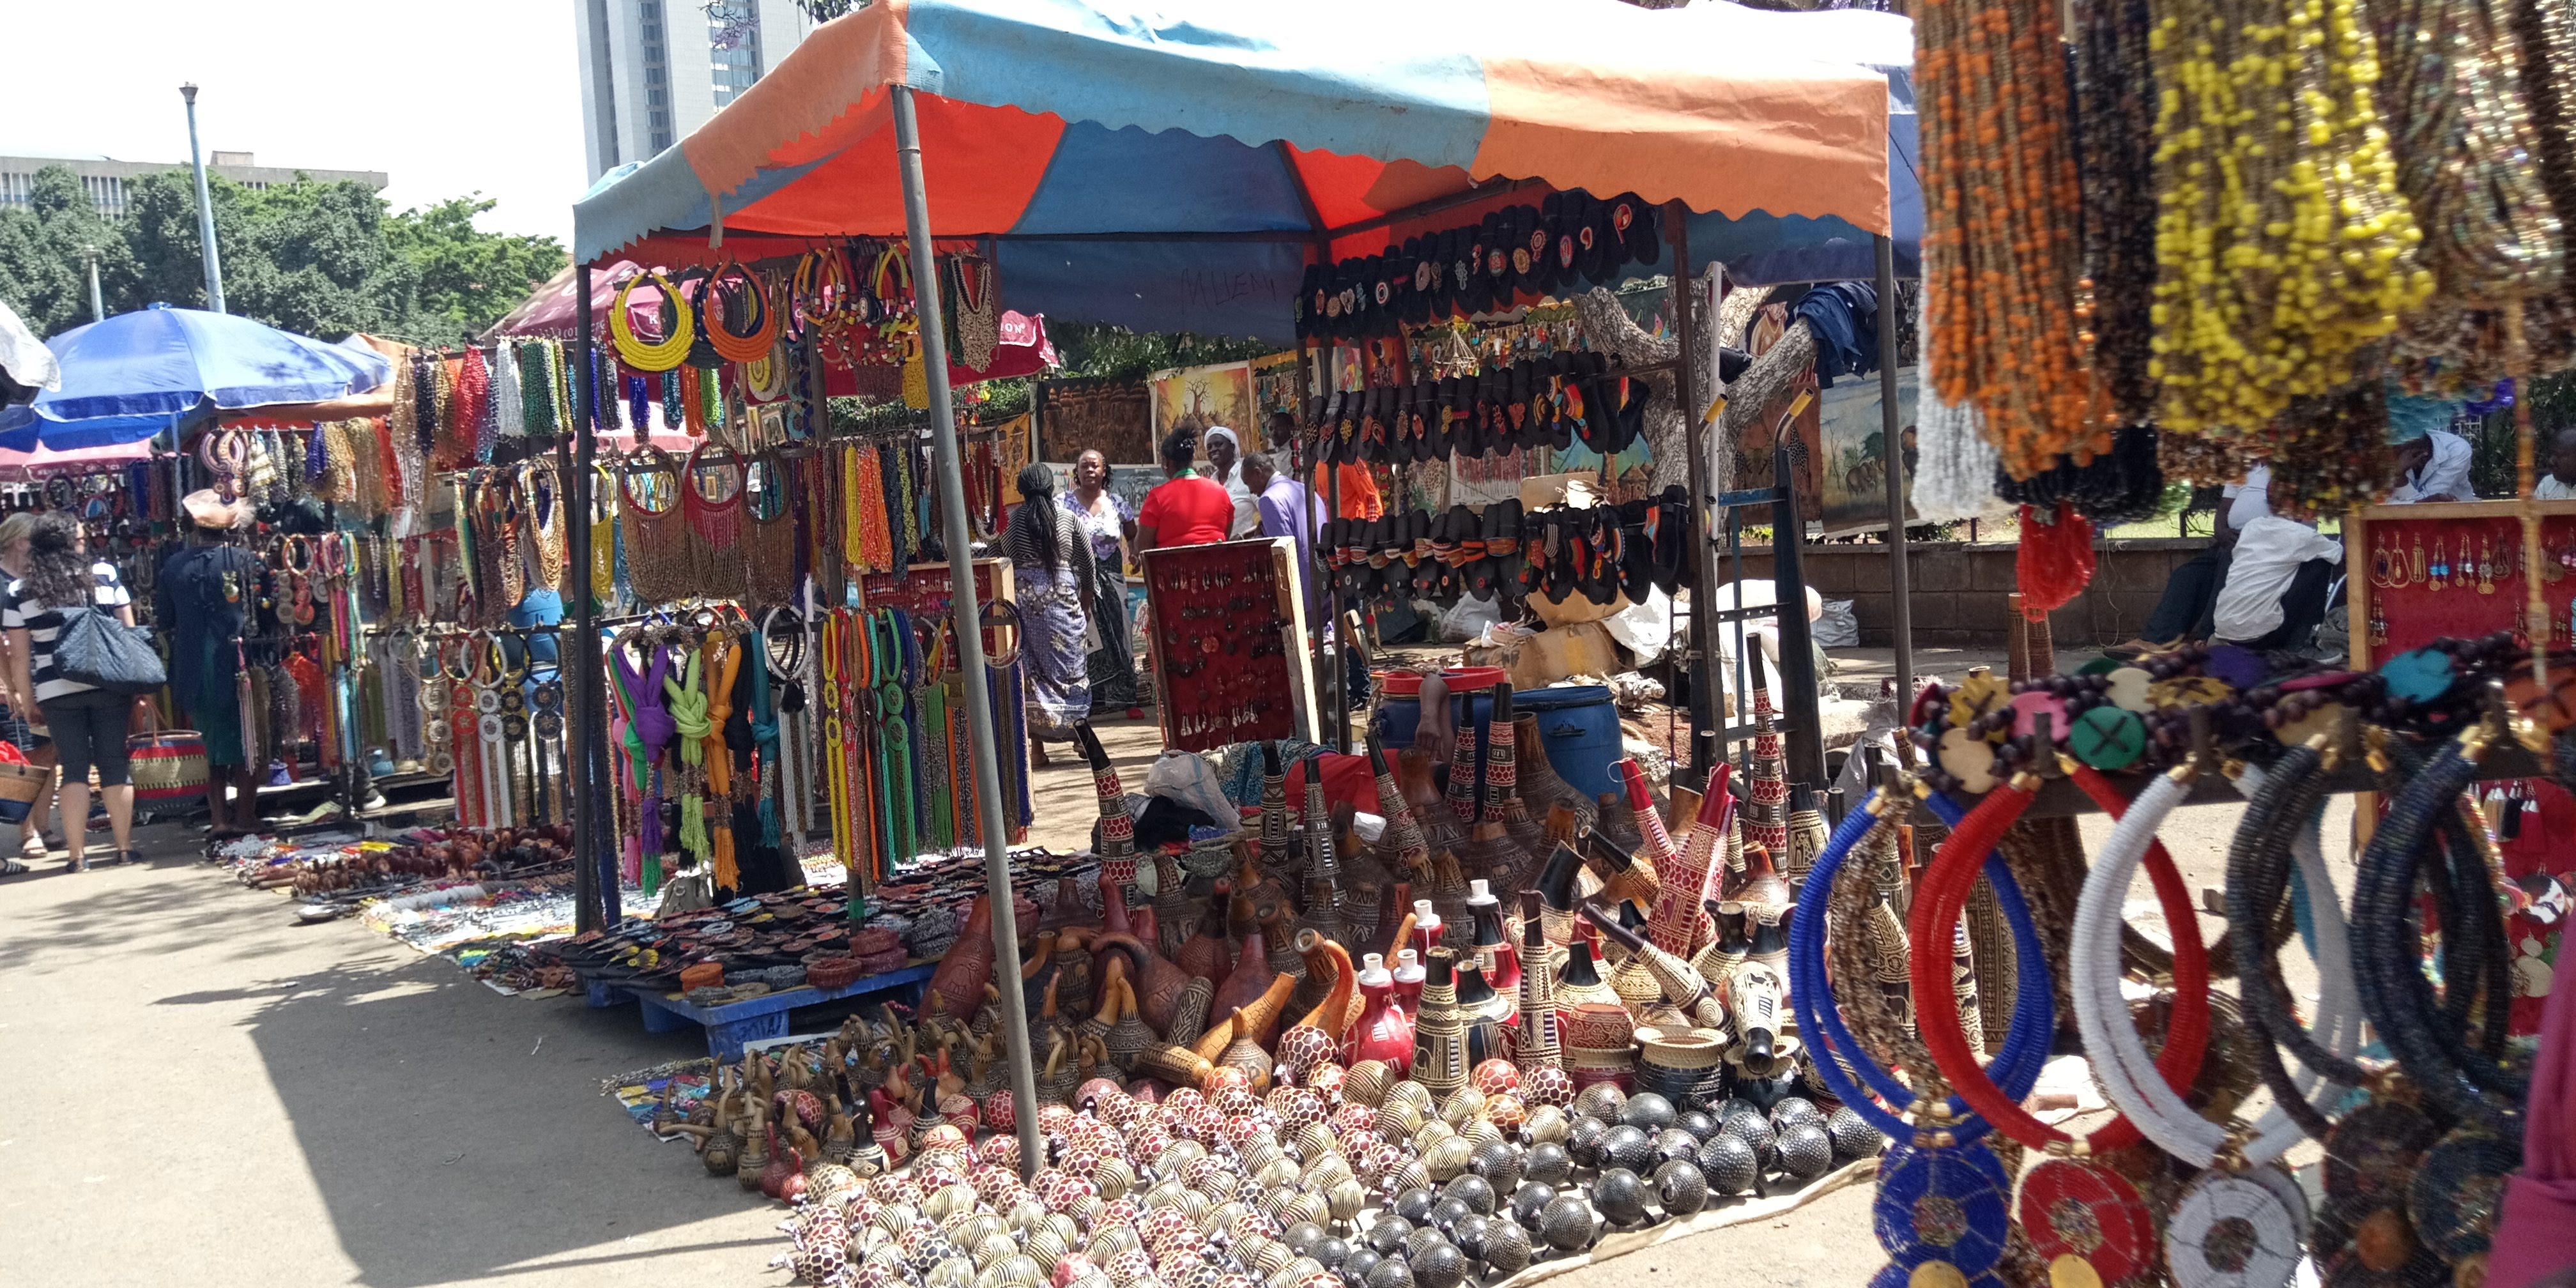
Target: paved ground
[{"x": 205, "y": 1093}]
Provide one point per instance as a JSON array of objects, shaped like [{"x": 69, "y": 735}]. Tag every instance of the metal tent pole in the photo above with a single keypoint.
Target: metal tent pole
[
  {"x": 1891, "y": 429},
  {"x": 968, "y": 618},
  {"x": 1697, "y": 433},
  {"x": 594, "y": 899}
]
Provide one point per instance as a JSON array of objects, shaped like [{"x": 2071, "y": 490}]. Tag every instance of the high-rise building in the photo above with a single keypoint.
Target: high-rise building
[
  {"x": 105, "y": 178},
  {"x": 653, "y": 70}
]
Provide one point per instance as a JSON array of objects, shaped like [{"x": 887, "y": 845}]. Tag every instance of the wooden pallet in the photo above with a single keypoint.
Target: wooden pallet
[{"x": 735, "y": 1023}]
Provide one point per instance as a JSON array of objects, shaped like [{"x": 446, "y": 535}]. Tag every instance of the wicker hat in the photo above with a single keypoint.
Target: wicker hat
[{"x": 208, "y": 509}]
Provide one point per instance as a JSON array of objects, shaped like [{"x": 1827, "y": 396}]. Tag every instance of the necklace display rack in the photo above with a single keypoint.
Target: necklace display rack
[{"x": 1228, "y": 639}]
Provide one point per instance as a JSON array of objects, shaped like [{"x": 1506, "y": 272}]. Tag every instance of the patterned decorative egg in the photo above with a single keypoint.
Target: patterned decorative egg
[
  {"x": 1113, "y": 1176},
  {"x": 1681, "y": 1187},
  {"x": 1352, "y": 1117},
  {"x": 1499, "y": 1163},
  {"x": 1698, "y": 1122},
  {"x": 1436, "y": 1232},
  {"x": 1620, "y": 1194},
  {"x": 1600, "y": 1100},
  {"x": 1299, "y": 1271},
  {"x": 1547, "y": 1123},
  {"x": 1399, "y": 1119},
  {"x": 1794, "y": 1109},
  {"x": 1413, "y": 1093},
  {"x": 1330, "y": 1251},
  {"x": 1547, "y": 1162},
  {"x": 1529, "y": 1200},
  {"x": 1734, "y": 1106},
  {"x": 1463, "y": 1106},
  {"x": 1506, "y": 1251},
  {"x": 1344, "y": 1199},
  {"x": 1753, "y": 1130},
  {"x": 1366, "y": 1083},
  {"x": 1547, "y": 1084},
  {"x": 818, "y": 1265},
  {"x": 1225, "y": 1077},
  {"x": 1506, "y": 1112},
  {"x": 1448, "y": 1158},
  {"x": 1729, "y": 1164},
  {"x": 1301, "y": 1049},
  {"x": 1647, "y": 1111},
  {"x": 1852, "y": 1135},
  {"x": 1116, "y": 1212},
  {"x": 1328, "y": 1081},
  {"x": 1444, "y": 1214},
  {"x": 1233, "y": 1101},
  {"x": 1475, "y": 1191},
  {"x": 1413, "y": 1206},
  {"x": 1356, "y": 1267},
  {"x": 1278, "y": 1171},
  {"x": 1131, "y": 1266},
  {"x": 1390, "y": 1273},
  {"x": 1495, "y": 1077},
  {"x": 1628, "y": 1147},
  {"x": 1567, "y": 1223},
  {"x": 896, "y": 1218},
  {"x": 1673, "y": 1142},
  {"x": 1583, "y": 1141},
  {"x": 1440, "y": 1265},
  {"x": 1806, "y": 1152},
  {"x": 1386, "y": 1234}
]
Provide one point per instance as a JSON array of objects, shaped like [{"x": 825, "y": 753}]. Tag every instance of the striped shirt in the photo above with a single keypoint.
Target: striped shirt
[{"x": 44, "y": 624}]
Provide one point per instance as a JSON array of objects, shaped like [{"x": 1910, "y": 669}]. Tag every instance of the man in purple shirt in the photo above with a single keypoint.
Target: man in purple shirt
[{"x": 1280, "y": 498}]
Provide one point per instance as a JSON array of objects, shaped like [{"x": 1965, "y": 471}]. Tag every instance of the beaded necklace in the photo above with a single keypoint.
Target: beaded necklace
[
  {"x": 2284, "y": 251},
  {"x": 658, "y": 557},
  {"x": 715, "y": 522},
  {"x": 544, "y": 502},
  {"x": 678, "y": 326},
  {"x": 723, "y": 660},
  {"x": 604, "y": 487},
  {"x": 1944, "y": 1197},
  {"x": 836, "y": 743},
  {"x": 769, "y": 543},
  {"x": 746, "y": 300},
  {"x": 2001, "y": 206}
]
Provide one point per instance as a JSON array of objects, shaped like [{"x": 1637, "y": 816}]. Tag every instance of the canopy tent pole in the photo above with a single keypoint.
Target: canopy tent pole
[
  {"x": 1892, "y": 449},
  {"x": 1698, "y": 437},
  {"x": 967, "y": 615},
  {"x": 593, "y": 871}
]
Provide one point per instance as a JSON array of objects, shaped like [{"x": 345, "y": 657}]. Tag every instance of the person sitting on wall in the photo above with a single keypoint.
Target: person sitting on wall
[{"x": 2185, "y": 614}]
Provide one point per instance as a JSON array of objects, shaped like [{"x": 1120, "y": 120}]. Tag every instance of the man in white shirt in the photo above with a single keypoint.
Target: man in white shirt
[
  {"x": 2559, "y": 484},
  {"x": 2276, "y": 585},
  {"x": 2436, "y": 468},
  {"x": 2191, "y": 591},
  {"x": 1224, "y": 453}
]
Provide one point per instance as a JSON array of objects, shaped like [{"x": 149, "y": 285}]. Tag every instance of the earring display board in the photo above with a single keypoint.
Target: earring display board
[
  {"x": 1228, "y": 639},
  {"x": 2417, "y": 573}
]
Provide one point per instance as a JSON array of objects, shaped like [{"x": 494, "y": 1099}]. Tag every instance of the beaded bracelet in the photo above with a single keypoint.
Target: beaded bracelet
[
  {"x": 2284, "y": 804},
  {"x": 2127, "y": 1074},
  {"x": 1838, "y": 1056},
  {"x": 1937, "y": 905},
  {"x": 2393, "y": 990}
]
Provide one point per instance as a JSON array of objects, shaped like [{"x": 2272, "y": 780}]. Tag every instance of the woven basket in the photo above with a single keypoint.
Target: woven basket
[
  {"x": 20, "y": 785},
  {"x": 169, "y": 765}
]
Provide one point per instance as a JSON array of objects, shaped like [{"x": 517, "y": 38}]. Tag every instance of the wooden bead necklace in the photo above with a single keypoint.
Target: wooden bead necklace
[{"x": 2003, "y": 284}]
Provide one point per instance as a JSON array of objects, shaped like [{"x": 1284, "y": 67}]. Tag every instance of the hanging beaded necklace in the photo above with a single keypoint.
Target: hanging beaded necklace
[
  {"x": 975, "y": 308},
  {"x": 715, "y": 521},
  {"x": 544, "y": 504},
  {"x": 658, "y": 557},
  {"x": 2002, "y": 262},
  {"x": 679, "y": 329},
  {"x": 769, "y": 543}
]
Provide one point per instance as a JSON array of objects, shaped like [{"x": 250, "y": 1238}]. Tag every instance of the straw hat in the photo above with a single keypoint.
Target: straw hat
[{"x": 208, "y": 509}]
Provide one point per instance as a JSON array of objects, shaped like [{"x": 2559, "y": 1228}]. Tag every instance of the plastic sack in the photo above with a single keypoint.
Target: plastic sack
[
  {"x": 1839, "y": 627},
  {"x": 1467, "y": 619},
  {"x": 1646, "y": 629},
  {"x": 1185, "y": 778}
]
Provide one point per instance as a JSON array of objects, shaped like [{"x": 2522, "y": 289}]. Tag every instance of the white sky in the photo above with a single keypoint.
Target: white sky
[{"x": 447, "y": 98}]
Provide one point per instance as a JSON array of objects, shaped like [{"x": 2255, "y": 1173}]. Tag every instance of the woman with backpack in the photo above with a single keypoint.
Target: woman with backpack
[{"x": 88, "y": 723}]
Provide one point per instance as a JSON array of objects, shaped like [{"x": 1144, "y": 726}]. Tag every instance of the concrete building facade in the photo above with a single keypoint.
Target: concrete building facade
[{"x": 653, "y": 70}]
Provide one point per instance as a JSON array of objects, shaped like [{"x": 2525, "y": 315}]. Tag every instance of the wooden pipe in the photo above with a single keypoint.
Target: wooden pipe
[
  {"x": 1158, "y": 983},
  {"x": 1257, "y": 1018},
  {"x": 1341, "y": 1005}
]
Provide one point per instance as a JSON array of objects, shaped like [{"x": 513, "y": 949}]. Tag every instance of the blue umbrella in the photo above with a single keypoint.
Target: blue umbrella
[{"x": 136, "y": 374}]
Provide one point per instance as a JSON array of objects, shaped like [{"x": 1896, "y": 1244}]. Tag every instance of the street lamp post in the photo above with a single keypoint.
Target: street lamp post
[
  {"x": 97, "y": 302},
  {"x": 205, "y": 209}
]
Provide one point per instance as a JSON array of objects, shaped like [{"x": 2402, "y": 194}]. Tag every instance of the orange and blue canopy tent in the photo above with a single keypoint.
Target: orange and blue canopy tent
[{"x": 1176, "y": 167}]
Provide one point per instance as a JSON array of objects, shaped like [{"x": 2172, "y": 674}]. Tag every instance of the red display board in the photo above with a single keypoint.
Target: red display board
[{"x": 2417, "y": 573}]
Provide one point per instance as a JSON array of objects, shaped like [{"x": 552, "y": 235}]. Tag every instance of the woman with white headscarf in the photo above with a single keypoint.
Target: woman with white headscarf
[{"x": 1225, "y": 456}]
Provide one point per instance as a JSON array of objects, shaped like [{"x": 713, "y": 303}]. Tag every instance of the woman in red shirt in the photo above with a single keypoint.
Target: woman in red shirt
[{"x": 1187, "y": 510}]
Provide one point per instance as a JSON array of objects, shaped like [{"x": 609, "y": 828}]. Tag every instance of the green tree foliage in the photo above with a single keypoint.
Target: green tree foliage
[
  {"x": 320, "y": 259},
  {"x": 469, "y": 278}
]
